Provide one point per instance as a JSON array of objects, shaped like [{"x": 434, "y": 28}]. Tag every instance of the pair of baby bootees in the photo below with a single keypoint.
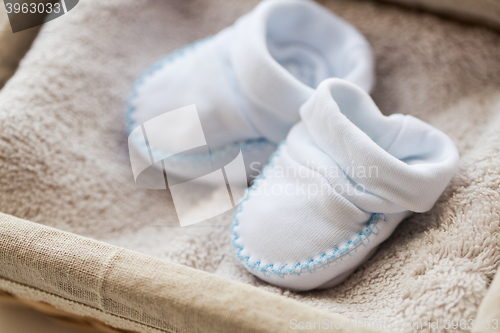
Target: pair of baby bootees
[{"x": 345, "y": 175}]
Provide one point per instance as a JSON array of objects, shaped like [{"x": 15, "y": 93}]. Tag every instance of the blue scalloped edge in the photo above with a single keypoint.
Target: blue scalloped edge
[
  {"x": 248, "y": 144},
  {"x": 300, "y": 267}
]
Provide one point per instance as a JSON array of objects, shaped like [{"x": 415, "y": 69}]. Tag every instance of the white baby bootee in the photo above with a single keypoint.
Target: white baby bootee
[
  {"x": 249, "y": 80},
  {"x": 338, "y": 187}
]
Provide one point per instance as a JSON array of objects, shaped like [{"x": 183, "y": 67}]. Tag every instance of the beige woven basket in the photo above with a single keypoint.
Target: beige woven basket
[{"x": 70, "y": 320}]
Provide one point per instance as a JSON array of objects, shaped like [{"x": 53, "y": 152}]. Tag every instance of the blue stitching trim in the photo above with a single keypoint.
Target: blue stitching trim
[
  {"x": 250, "y": 144},
  {"x": 312, "y": 264}
]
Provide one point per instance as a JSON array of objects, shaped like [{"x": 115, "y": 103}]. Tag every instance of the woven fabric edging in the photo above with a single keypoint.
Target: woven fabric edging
[
  {"x": 136, "y": 292},
  {"x": 78, "y": 309}
]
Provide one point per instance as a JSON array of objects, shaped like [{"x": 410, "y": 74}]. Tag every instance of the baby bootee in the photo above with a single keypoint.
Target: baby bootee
[
  {"x": 249, "y": 80},
  {"x": 339, "y": 185}
]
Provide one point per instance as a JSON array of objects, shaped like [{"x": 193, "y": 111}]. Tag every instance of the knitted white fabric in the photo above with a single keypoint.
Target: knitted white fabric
[
  {"x": 338, "y": 187},
  {"x": 249, "y": 80}
]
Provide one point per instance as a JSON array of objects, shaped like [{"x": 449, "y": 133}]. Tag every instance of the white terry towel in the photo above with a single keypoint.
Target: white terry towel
[
  {"x": 249, "y": 80},
  {"x": 338, "y": 187}
]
